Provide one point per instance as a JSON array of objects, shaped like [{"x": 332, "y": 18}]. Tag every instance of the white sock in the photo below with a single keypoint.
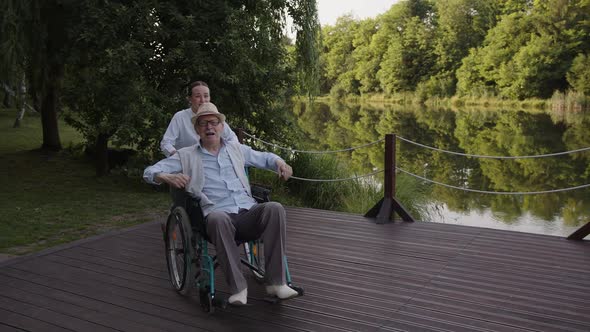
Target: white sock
[
  {"x": 239, "y": 298},
  {"x": 283, "y": 292}
]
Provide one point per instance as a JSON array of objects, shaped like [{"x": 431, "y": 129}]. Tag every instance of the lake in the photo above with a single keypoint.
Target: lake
[{"x": 473, "y": 132}]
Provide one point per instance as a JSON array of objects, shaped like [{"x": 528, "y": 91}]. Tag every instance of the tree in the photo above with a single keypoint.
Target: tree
[
  {"x": 340, "y": 64},
  {"x": 124, "y": 62},
  {"x": 11, "y": 47},
  {"x": 239, "y": 49},
  {"x": 366, "y": 61},
  {"x": 529, "y": 52},
  {"x": 461, "y": 25},
  {"x": 480, "y": 70},
  {"x": 579, "y": 74},
  {"x": 106, "y": 89},
  {"x": 409, "y": 59}
]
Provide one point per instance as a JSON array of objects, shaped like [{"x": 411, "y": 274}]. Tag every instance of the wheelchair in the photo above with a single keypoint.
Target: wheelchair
[{"x": 189, "y": 261}]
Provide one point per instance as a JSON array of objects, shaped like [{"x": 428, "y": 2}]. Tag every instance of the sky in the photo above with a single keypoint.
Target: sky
[{"x": 330, "y": 10}]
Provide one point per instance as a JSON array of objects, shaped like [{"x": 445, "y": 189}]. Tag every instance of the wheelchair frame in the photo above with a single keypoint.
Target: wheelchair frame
[{"x": 187, "y": 254}]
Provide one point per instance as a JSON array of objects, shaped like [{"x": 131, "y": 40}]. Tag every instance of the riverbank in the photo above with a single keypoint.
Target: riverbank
[{"x": 566, "y": 102}]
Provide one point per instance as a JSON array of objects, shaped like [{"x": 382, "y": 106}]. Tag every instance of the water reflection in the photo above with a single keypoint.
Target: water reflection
[{"x": 478, "y": 132}]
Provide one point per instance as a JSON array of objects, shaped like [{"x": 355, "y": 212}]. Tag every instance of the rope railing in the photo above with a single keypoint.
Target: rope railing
[
  {"x": 312, "y": 151},
  {"x": 493, "y": 192},
  {"x": 334, "y": 180},
  {"x": 493, "y": 157},
  {"x": 384, "y": 209},
  {"x": 424, "y": 178}
]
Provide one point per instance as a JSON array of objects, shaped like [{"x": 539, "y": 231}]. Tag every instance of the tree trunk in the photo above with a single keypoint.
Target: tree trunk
[
  {"x": 21, "y": 93},
  {"x": 101, "y": 157},
  {"x": 6, "y": 101},
  {"x": 20, "y": 115},
  {"x": 49, "y": 106}
]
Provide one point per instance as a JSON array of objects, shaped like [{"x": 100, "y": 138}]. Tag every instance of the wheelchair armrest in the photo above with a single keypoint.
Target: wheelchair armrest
[{"x": 260, "y": 194}]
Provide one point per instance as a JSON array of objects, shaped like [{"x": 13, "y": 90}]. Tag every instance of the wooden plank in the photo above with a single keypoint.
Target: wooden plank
[
  {"x": 50, "y": 316},
  {"x": 417, "y": 319},
  {"x": 24, "y": 322},
  {"x": 176, "y": 313},
  {"x": 358, "y": 276},
  {"x": 73, "y": 312},
  {"x": 499, "y": 312},
  {"x": 7, "y": 328}
]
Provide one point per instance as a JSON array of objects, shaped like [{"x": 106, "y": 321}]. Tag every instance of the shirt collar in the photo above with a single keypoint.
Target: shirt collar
[{"x": 200, "y": 147}]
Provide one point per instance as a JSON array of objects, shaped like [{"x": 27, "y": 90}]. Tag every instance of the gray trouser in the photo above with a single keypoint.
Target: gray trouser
[{"x": 266, "y": 221}]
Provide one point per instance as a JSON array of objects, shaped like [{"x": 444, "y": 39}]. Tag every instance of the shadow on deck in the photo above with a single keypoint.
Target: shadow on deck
[{"x": 358, "y": 276}]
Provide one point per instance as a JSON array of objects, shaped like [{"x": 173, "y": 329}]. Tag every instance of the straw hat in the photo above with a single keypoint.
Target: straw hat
[{"x": 207, "y": 109}]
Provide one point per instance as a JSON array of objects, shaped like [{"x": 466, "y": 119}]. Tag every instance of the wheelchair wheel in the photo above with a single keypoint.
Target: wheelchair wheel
[
  {"x": 180, "y": 251},
  {"x": 254, "y": 251}
]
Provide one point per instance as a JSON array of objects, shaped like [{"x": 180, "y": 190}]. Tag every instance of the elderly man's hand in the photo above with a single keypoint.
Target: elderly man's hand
[
  {"x": 284, "y": 170},
  {"x": 177, "y": 181}
]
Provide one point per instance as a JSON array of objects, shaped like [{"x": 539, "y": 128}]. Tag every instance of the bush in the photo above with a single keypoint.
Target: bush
[{"x": 354, "y": 196}]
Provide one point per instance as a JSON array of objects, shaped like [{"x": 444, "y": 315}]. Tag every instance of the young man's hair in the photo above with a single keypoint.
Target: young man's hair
[{"x": 189, "y": 92}]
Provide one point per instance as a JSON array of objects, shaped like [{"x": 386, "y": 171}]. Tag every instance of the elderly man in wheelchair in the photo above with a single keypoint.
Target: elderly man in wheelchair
[{"x": 218, "y": 206}]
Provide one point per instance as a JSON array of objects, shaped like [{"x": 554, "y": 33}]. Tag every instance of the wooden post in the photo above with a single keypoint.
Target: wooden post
[
  {"x": 389, "y": 176},
  {"x": 581, "y": 233},
  {"x": 383, "y": 210}
]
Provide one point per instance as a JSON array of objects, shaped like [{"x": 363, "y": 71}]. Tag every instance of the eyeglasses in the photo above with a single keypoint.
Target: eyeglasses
[{"x": 205, "y": 123}]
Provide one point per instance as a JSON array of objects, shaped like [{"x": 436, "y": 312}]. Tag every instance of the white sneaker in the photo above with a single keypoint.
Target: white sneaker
[
  {"x": 283, "y": 292},
  {"x": 240, "y": 298}
]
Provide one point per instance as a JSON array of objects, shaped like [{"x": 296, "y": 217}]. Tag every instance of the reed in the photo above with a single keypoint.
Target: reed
[{"x": 354, "y": 196}]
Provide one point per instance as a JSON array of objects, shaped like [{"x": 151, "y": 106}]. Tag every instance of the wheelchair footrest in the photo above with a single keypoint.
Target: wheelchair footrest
[
  {"x": 298, "y": 289},
  {"x": 274, "y": 299},
  {"x": 220, "y": 302}
]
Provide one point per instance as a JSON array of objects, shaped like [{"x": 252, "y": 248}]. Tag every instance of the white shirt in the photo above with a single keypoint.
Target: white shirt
[{"x": 181, "y": 133}]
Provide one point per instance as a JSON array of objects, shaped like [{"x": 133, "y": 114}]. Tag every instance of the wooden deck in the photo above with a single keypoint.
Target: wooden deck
[{"x": 358, "y": 276}]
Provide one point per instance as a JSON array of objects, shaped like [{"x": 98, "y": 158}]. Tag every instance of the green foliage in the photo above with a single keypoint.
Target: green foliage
[
  {"x": 105, "y": 89},
  {"x": 535, "y": 70},
  {"x": 321, "y": 195},
  {"x": 579, "y": 74},
  {"x": 146, "y": 52},
  {"x": 338, "y": 46},
  {"x": 366, "y": 61},
  {"x": 441, "y": 85},
  {"x": 12, "y": 39},
  {"x": 304, "y": 14},
  {"x": 481, "y": 70},
  {"x": 509, "y": 48},
  {"x": 461, "y": 25},
  {"x": 409, "y": 58}
]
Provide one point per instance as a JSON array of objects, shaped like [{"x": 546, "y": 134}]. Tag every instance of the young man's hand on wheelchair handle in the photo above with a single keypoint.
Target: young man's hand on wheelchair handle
[{"x": 177, "y": 181}]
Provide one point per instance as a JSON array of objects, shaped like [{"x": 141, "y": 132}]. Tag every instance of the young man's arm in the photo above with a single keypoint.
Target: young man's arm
[
  {"x": 170, "y": 136},
  {"x": 228, "y": 134}
]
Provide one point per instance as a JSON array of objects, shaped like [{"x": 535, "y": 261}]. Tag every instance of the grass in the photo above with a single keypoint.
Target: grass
[
  {"x": 53, "y": 198},
  {"x": 354, "y": 196}
]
